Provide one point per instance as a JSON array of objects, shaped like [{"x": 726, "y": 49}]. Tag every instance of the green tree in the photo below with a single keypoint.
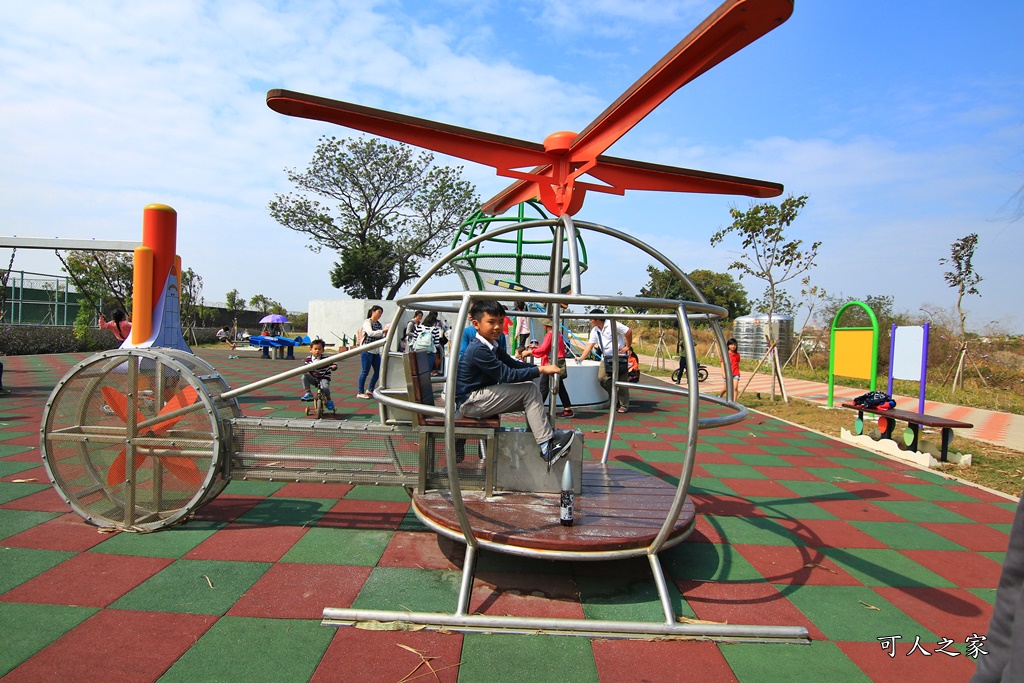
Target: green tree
[
  {"x": 234, "y": 303},
  {"x": 768, "y": 255},
  {"x": 388, "y": 211},
  {"x": 719, "y": 289},
  {"x": 265, "y": 304},
  {"x": 103, "y": 278},
  {"x": 191, "y": 301}
]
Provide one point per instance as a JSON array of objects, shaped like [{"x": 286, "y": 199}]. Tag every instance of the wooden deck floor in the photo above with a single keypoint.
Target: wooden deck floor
[{"x": 619, "y": 509}]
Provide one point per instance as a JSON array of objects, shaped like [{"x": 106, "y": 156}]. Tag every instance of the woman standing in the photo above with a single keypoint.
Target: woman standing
[
  {"x": 543, "y": 351},
  {"x": 372, "y": 331}
]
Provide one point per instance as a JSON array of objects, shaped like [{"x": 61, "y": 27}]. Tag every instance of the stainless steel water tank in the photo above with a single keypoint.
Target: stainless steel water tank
[{"x": 749, "y": 331}]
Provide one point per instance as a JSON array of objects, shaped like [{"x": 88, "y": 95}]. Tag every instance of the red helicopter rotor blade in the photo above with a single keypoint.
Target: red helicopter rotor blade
[
  {"x": 626, "y": 174},
  {"x": 730, "y": 28},
  {"x": 516, "y": 193},
  {"x": 483, "y": 148}
]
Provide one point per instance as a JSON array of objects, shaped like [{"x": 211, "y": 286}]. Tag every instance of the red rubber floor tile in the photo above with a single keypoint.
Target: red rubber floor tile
[
  {"x": 977, "y": 537},
  {"x": 248, "y": 543},
  {"x": 745, "y": 603},
  {"x": 226, "y": 508},
  {"x": 358, "y": 655},
  {"x": 302, "y": 489},
  {"x": 626, "y": 661},
  {"x": 857, "y": 511},
  {"x": 552, "y": 596},
  {"x": 87, "y": 580},
  {"x": 830, "y": 533},
  {"x": 986, "y": 513},
  {"x": 116, "y": 645},
  {"x": 67, "y": 532},
  {"x": 781, "y": 473},
  {"x": 953, "y": 613},
  {"x": 808, "y": 461},
  {"x": 47, "y": 500},
  {"x": 875, "y": 491},
  {"x": 365, "y": 514},
  {"x": 794, "y": 565},
  {"x": 722, "y": 505},
  {"x": 964, "y": 568},
  {"x": 301, "y": 591},
  {"x": 874, "y": 661},
  {"x": 753, "y": 488},
  {"x": 422, "y": 551}
]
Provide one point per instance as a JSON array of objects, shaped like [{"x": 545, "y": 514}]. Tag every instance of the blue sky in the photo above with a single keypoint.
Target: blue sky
[{"x": 903, "y": 122}]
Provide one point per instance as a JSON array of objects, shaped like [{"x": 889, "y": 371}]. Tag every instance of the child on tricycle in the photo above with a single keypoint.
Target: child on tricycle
[{"x": 318, "y": 379}]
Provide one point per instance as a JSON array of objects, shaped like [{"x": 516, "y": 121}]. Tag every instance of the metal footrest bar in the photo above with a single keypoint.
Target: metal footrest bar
[{"x": 588, "y": 628}]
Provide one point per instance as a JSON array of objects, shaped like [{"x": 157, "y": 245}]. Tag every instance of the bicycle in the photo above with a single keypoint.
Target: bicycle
[
  {"x": 319, "y": 404},
  {"x": 677, "y": 374}
]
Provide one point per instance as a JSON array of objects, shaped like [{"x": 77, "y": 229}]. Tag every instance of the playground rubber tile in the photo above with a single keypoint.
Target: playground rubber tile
[
  {"x": 45, "y": 500},
  {"x": 947, "y": 612},
  {"x": 819, "y": 489},
  {"x": 66, "y": 532},
  {"x": 840, "y": 475},
  {"x": 760, "y": 604},
  {"x": 808, "y": 461},
  {"x": 799, "y": 566},
  {"x": 877, "y": 491},
  {"x": 502, "y": 658},
  {"x": 240, "y": 649},
  {"x": 982, "y": 495},
  {"x": 854, "y": 613},
  {"x": 770, "y": 663},
  {"x": 7, "y": 451},
  {"x": 31, "y": 439},
  {"x": 359, "y": 655},
  {"x": 999, "y": 558},
  {"x": 426, "y": 551},
  {"x": 760, "y": 460},
  {"x": 907, "y": 536},
  {"x": 226, "y": 508},
  {"x": 829, "y": 533},
  {"x": 12, "y": 469},
  {"x": 757, "y": 488},
  {"x": 884, "y": 567},
  {"x": 365, "y": 514},
  {"x": 301, "y": 489},
  {"x": 125, "y": 646},
  {"x": 300, "y": 512},
  {"x": 976, "y": 537},
  {"x": 260, "y": 489},
  {"x": 27, "y": 629},
  {"x": 10, "y": 491},
  {"x": 356, "y": 547},
  {"x": 15, "y": 521},
  {"x": 416, "y": 590},
  {"x": 895, "y": 475},
  {"x": 87, "y": 580},
  {"x": 551, "y": 596},
  {"x": 194, "y": 586},
  {"x": 707, "y": 562},
  {"x": 986, "y": 513},
  {"x": 721, "y": 505},
  {"x": 874, "y": 661},
  {"x": 18, "y": 565},
  {"x": 709, "y": 487},
  {"x": 627, "y": 600},
  {"x": 705, "y": 532},
  {"x": 856, "y": 510},
  {"x": 862, "y": 462},
  {"x": 925, "y": 511},
  {"x": 395, "y": 494},
  {"x": 626, "y": 661},
  {"x": 248, "y": 543},
  {"x": 173, "y": 542},
  {"x": 788, "y": 507},
  {"x": 784, "y": 473},
  {"x": 714, "y": 458},
  {"x": 300, "y": 591},
  {"x": 963, "y": 569}
]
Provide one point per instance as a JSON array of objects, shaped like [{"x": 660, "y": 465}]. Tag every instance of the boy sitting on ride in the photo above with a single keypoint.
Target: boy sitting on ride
[
  {"x": 320, "y": 377},
  {"x": 490, "y": 382}
]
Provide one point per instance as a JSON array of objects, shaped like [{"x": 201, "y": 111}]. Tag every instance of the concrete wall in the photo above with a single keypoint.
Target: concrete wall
[{"x": 330, "y": 319}]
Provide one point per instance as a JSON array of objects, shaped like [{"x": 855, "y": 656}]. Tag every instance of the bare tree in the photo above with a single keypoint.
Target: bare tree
[{"x": 965, "y": 279}]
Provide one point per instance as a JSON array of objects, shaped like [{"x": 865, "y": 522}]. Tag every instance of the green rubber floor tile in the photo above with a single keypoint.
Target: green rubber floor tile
[
  {"x": 819, "y": 661},
  {"x": 703, "y": 447},
  {"x": 784, "y": 450},
  {"x": 287, "y": 511},
  {"x": 933, "y": 492},
  {"x": 865, "y": 463},
  {"x": 659, "y": 456},
  {"x": 8, "y": 449},
  {"x": 27, "y": 629},
  {"x": 15, "y": 521},
  {"x": 819, "y": 489},
  {"x": 712, "y": 439},
  {"x": 411, "y": 523},
  {"x": 790, "y": 508},
  {"x": 709, "y": 485},
  {"x": 18, "y": 565},
  {"x": 922, "y": 511},
  {"x": 753, "y": 531},
  {"x": 761, "y": 460},
  {"x": 906, "y": 536},
  {"x": 627, "y": 600},
  {"x": 395, "y": 494},
  {"x": 1005, "y": 528},
  {"x": 248, "y": 649},
  {"x": 707, "y": 562},
  {"x": 11, "y": 435},
  {"x": 173, "y": 542},
  {"x": 9, "y": 467},
  {"x": 10, "y": 491},
  {"x": 845, "y": 613},
  {"x": 929, "y": 477},
  {"x": 415, "y": 590},
  {"x": 986, "y": 594},
  {"x": 733, "y": 471},
  {"x": 883, "y": 567},
  {"x": 239, "y": 487},
  {"x": 503, "y": 658},
  {"x": 355, "y": 547},
  {"x": 999, "y": 557},
  {"x": 839, "y": 474},
  {"x": 195, "y": 587}
]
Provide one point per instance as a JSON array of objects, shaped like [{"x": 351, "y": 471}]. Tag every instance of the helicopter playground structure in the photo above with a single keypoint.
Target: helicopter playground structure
[{"x": 141, "y": 437}]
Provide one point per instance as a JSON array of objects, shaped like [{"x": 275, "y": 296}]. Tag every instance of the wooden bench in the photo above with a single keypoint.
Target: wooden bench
[
  {"x": 418, "y": 367},
  {"x": 887, "y": 421}
]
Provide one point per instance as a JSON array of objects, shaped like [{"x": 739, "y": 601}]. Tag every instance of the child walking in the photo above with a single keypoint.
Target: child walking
[{"x": 734, "y": 369}]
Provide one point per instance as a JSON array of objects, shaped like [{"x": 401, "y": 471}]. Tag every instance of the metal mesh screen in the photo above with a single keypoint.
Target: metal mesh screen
[{"x": 158, "y": 408}]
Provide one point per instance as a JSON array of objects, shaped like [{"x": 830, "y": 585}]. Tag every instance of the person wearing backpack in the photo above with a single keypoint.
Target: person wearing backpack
[
  {"x": 371, "y": 331},
  {"x": 410, "y": 330},
  {"x": 428, "y": 338}
]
